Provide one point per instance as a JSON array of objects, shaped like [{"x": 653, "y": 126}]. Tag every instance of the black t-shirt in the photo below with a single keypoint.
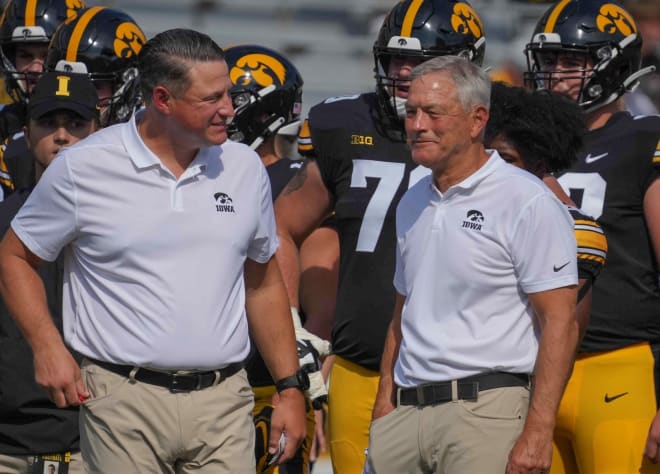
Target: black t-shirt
[{"x": 29, "y": 422}]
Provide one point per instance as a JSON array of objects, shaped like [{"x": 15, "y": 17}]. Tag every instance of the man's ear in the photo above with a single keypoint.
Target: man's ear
[
  {"x": 162, "y": 99},
  {"x": 479, "y": 117}
]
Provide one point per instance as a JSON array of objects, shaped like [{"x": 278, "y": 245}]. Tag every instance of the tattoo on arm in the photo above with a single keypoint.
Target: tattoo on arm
[{"x": 297, "y": 181}]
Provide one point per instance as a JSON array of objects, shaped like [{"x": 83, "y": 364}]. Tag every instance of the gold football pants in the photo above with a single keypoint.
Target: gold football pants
[{"x": 605, "y": 414}]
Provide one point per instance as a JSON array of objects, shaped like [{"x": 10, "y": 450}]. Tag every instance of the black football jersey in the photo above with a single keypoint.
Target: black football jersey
[
  {"x": 367, "y": 173},
  {"x": 12, "y": 119},
  {"x": 18, "y": 162},
  {"x": 279, "y": 173},
  {"x": 617, "y": 165},
  {"x": 6, "y": 182}
]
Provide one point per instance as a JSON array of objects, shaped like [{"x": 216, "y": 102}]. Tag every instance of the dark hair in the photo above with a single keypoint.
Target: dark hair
[
  {"x": 165, "y": 59},
  {"x": 546, "y": 128}
]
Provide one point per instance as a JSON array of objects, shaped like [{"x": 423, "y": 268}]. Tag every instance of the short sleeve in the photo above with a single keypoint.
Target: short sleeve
[
  {"x": 47, "y": 220},
  {"x": 264, "y": 242},
  {"x": 543, "y": 245}
]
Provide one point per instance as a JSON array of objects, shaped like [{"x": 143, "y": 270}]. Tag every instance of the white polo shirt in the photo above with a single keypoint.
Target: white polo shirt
[
  {"x": 466, "y": 261},
  {"x": 153, "y": 265}
]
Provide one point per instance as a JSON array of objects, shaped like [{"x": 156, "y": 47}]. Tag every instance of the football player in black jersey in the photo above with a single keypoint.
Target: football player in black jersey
[
  {"x": 267, "y": 96},
  {"x": 590, "y": 50},
  {"x": 360, "y": 166}
]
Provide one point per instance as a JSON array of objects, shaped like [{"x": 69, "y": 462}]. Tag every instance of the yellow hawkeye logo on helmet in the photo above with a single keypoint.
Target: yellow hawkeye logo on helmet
[
  {"x": 129, "y": 40},
  {"x": 72, "y": 6},
  {"x": 612, "y": 18},
  {"x": 465, "y": 21},
  {"x": 263, "y": 69}
]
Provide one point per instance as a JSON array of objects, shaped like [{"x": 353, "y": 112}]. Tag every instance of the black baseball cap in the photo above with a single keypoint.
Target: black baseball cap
[{"x": 58, "y": 90}]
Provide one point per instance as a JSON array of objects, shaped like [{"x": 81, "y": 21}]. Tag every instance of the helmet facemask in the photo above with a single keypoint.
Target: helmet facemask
[
  {"x": 266, "y": 94},
  {"x": 254, "y": 120},
  {"x": 126, "y": 95},
  {"x": 19, "y": 83},
  {"x": 388, "y": 81},
  {"x": 387, "y": 84}
]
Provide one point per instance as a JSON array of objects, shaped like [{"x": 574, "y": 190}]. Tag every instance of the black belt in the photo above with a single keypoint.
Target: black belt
[
  {"x": 466, "y": 389},
  {"x": 176, "y": 382}
]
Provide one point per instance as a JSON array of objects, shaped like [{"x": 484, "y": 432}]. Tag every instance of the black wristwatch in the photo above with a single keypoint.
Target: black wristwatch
[{"x": 299, "y": 380}]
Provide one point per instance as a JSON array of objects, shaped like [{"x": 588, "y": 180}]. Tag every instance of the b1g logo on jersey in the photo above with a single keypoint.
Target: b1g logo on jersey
[
  {"x": 473, "y": 220},
  {"x": 259, "y": 68},
  {"x": 129, "y": 40},
  {"x": 223, "y": 203},
  {"x": 362, "y": 140},
  {"x": 612, "y": 18}
]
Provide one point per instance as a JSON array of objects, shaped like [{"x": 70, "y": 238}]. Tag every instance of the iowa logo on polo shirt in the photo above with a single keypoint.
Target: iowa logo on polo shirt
[
  {"x": 473, "y": 220},
  {"x": 223, "y": 203}
]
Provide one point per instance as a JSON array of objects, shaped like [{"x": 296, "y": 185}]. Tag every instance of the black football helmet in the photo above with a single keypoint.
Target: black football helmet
[
  {"x": 266, "y": 92},
  {"x": 601, "y": 31},
  {"x": 424, "y": 29},
  {"x": 29, "y": 21},
  {"x": 107, "y": 41}
]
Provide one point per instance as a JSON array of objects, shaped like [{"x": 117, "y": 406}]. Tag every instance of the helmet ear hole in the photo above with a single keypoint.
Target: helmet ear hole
[{"x": 266, "y": 92}]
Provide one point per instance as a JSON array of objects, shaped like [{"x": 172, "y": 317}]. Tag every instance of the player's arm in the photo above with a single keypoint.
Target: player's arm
[
  {"x": 652, "y": 215},
  {"x": 319, "y": 268},
  {"x": 23, "y": 292},
  {"x": 269, "y": 318},
  {"x": 386, "y": 396},
  {"x": 299, "y": 209},
  {"x": 552, "y": 183},
  {"x": 555, "y": 310},
  {"x": 591, "y": 257},
  {"x": 583, "y": 309}
]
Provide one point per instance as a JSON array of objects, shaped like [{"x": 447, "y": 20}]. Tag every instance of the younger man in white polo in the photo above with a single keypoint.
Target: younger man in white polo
[{"x": 169, "y": 237}]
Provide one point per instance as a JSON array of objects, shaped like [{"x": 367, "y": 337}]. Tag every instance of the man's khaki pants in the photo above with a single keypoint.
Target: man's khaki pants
[
  {"x": 134, "y": 427},
  {"x": 456, "y": 437}
]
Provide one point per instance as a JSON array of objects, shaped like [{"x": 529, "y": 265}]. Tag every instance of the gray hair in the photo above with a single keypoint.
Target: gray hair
[
  {"x": 165, "y": 59},
  {"x": 472, "y": 82}
]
